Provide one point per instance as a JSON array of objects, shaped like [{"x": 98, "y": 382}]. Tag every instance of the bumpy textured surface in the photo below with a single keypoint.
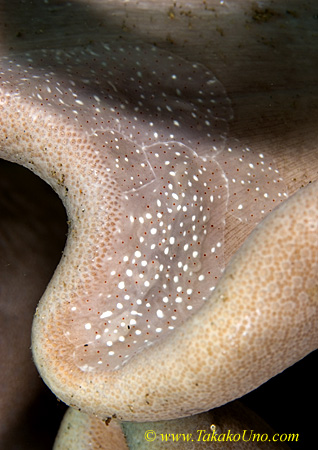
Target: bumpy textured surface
[
  {"x": 157, "y": 185},
  {"x": 78, "y": 431},
  {"x": 147, "y": 176},
  {"x": 230, "y": 427},
  {"x": 221, "y": 428},
  {"x": 263, "y": 314}
]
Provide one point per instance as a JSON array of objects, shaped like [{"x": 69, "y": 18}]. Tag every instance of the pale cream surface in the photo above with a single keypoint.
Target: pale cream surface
[
  {"x": 158, "y": 182},
  {"x": 263, "y": 315},
  {"x": 221, "y": 428},
  {"x": 78, "y": 431},
  {"x": 300, "y": 166},
  {"x": 229, "y": 427}
]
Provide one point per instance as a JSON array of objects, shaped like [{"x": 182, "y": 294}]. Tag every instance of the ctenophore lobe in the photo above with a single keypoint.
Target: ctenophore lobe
[
  {"x": 154, "y": 132},
  {"x": 141, "y": 91},
  {"x": 166, "y": 255}
]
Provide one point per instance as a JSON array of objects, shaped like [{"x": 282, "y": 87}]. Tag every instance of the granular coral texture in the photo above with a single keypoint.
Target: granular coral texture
[
  {"x": 232, "y": 426},
  {"x": 149, "y": 130},
  {"x": 78, "y": 431},
  {"x": 134, "y": 140}
]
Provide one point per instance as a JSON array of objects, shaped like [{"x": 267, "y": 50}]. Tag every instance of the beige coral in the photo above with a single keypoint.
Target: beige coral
[
  {"x": 274, "y": 134},
  {"x": 229, "y": 427},
  {"x": 263, "y": 314}
]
